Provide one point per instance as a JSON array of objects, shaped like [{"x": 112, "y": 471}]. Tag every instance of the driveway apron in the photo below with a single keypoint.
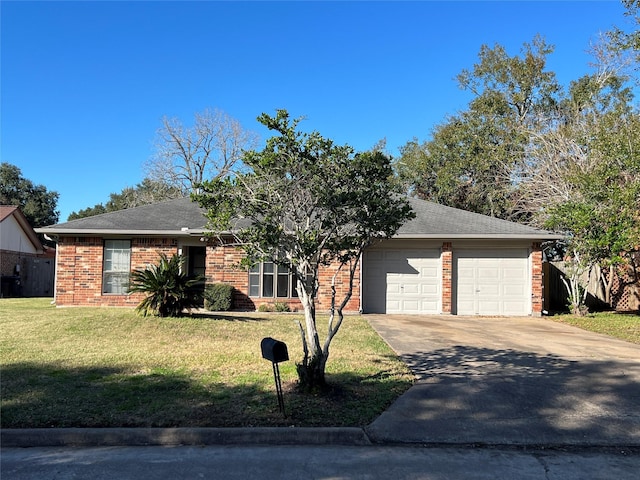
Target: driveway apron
[{"x": 510, "y": 381}]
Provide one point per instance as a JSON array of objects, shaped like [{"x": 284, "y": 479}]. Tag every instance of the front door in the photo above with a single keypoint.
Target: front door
[{"x": 196, "y": 264}]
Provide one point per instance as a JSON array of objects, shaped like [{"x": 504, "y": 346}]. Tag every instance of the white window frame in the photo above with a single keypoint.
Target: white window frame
[{"x": 116, "y": 266}]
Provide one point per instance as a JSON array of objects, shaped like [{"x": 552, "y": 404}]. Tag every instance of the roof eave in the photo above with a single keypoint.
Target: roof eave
[
  {"x": 479, "y": 236},
  {"x": 99, "y": 231}
]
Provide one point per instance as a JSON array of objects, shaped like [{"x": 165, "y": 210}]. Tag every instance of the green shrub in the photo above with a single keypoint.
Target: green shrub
[
  {"x": 169, "y": 290},
  {"x": 218, "y": 297},
  {"x": 274, "y": 307},
  {"x": 281, "y": 307}
]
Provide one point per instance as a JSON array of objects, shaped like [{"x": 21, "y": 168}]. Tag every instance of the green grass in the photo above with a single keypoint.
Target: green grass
[
  {"x": 108, "y": 367},
  {"x": 618, "y": 325}
]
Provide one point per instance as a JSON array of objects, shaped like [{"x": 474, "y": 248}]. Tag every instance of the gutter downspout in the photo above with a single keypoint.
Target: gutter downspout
[{"x": 55, "y": 268}]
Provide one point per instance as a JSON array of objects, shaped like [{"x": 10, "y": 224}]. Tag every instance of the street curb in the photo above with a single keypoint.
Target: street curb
[{"x": 103, "y": 437}]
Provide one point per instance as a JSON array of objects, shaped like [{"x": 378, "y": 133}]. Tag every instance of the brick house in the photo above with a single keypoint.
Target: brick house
[
  {"x": 26, "y": 266},
  {"x": 445, "y": 261}
]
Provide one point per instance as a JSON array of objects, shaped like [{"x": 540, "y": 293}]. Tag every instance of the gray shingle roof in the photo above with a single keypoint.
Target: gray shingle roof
[
  {"x": 439, "y": 221},
  {"x": 183, "y": 217},
  {"x": 171, "y": 217}
]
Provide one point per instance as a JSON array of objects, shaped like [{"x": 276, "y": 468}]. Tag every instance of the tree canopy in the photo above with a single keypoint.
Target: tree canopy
[
  {"x": 304, "y": 203},
  {"x": 528, "y": 150},
  {"x": 36, "y": 202},
  {"x": 471, "y": 159}
]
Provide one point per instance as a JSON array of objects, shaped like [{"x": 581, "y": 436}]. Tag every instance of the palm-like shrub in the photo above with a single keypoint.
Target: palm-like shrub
[{"x": 169, "y": 290}]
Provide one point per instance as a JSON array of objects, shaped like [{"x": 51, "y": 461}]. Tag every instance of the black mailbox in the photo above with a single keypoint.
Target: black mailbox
[{"x": 274, "y": 350}]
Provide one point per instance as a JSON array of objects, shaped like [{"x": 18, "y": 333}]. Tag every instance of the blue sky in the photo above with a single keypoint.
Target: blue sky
[{"x": 84, "y": 85}]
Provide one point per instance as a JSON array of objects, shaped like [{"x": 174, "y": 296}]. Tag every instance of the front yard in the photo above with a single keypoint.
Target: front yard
[
  {"x": 619, "y": 325},
  {"x": 108, "y": 367}
]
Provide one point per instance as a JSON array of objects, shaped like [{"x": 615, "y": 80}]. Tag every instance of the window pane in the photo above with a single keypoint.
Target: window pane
[
  {"x": 267, "y": 279},
  {"x": 283, "y": 282},
  {"x": 116, "y": 266},
  {"x": 254, "y": 282},
  {"x": 267, "y": 285},
  {"x": 116, "y": 283}
]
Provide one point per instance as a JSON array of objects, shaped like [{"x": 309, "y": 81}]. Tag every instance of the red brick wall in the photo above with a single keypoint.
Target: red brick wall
[
  {"x": 79, "y": 277},
  {"x": 222, "y": 266},
  {"x": 79, "y": 265},
  {"x": 326, "y": 274},
  {"x": 537, "y": 289},
  {"x": 447, "y": 275}
]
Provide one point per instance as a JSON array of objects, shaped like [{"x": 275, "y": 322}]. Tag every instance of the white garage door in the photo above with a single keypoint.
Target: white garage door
[
  {"x": 492, "y": 282},
  {"x": 401, "y": 281}
]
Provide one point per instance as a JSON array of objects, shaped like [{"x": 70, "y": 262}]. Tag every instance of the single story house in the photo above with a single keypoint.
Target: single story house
[
  {"x": 444, "y": 261},
  {"x": 26, "y": 266}
]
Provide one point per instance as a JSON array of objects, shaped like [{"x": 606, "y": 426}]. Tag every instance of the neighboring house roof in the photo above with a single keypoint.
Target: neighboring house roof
[
  {"x": 11, "y": 211},
  {"x": 182, "y": 217}
]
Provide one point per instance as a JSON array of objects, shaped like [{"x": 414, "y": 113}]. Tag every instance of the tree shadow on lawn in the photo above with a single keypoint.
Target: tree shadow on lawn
[
  {"x": 42, "y": 395},
  {"x": 230, "y": 317},
  {"x": 485, "y": 393}
]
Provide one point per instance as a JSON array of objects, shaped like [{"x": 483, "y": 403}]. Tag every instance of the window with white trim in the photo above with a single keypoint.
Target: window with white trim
[
  {"x": 116, "y": 266},
  {"x": 273, "y": 281}
]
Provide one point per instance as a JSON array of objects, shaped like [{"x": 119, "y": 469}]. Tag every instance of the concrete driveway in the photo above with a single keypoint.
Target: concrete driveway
[{"x": 510, "y": 381}]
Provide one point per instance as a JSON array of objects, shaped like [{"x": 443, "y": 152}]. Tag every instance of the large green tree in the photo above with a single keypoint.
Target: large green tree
[
  {"x": 305, "y": 203},
  {"x": 472, "y": 159},
  {"x": 582, "y": 175},
  {"x": 36, "y": 202}
]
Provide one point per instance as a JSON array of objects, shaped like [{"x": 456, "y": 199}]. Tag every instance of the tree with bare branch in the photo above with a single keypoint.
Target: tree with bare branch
[
  {"x": 582, "y": 175},
  {"x": 210, "y": 149}
]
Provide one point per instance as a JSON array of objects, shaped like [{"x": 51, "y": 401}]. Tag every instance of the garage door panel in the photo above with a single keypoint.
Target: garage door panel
[
  {"x": 466, "y": 290},
  {"x": 410, "y": 289},
  {"x": 393, "y": 288},
  {"x": 488, "y": 272},
  {"x": 393, "y": 306},
  {"x": 411, "y": 305},
  {"x": 513, "y": 308},
  {"x": 489, "y": 290},
  {"x": 514, "y": 290},
  {"x": 486, "y": 307},
  {"x": 512, "y": 273},
  {"x": 402, "y": 281},
  {"x": 492, "y": 282},
  {"x": 430, "y": 289}
]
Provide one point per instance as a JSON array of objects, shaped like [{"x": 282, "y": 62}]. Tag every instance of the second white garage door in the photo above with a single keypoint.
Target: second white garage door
[
  {"x": 402, "y": 281},
  {"x": 492, "y": 282}
]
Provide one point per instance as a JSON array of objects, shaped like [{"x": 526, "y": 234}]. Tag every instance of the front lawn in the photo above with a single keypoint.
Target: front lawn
[
  {"x": 618, "y": 325},
  {"x": 108, "y": 367}
]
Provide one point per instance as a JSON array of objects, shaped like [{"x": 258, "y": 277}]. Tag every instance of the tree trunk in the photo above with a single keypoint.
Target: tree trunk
[
  {"x": 311, "y": 375},
  {"x": 311, "y": 370},
  {"x": 608, "y": 285}
]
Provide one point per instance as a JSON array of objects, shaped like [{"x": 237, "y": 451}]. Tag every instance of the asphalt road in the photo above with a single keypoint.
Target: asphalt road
[{"x": 318, "y": 462}]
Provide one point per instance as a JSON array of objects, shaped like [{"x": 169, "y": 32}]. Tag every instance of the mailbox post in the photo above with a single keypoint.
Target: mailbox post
[{"x": 276, "y": 352}]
